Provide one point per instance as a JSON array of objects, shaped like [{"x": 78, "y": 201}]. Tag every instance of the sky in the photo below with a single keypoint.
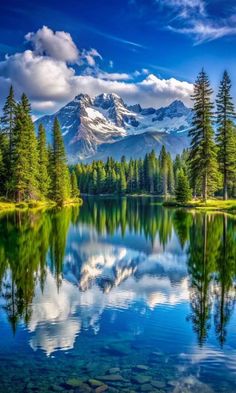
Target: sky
[{"x": 147, "y": 51}]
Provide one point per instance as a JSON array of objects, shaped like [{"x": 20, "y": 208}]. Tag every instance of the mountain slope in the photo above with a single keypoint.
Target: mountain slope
[
  {"x": 136, "y": 146},
  {"x": 92, "y": 126}
]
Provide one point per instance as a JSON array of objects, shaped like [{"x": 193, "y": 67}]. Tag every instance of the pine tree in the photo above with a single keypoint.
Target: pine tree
[
  {"x": 203, "y": 154},
  {"x": 163, "y": 158},
  {"x": 122, "y": 182},
  {"x": 60, "y": 188},
  {"x": 74, "y": 185},
  {"x": 226, "y": 134},
  {"x": 44, "y": 177},
  {"x": 182, "y": 192},
  {"x": 8, "y": 124},
  {"x": 20, "y": 169},
  {"x": 32, "y": 154}
]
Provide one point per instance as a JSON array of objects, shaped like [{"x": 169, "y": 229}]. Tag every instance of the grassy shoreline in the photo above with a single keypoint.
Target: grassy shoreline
[
  {"x": 211, "y": 205},
  {"x": 35, "y": 205}
]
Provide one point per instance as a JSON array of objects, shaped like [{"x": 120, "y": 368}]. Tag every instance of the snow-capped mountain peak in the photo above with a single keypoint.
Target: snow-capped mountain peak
[{"x": 89, "y": 122}]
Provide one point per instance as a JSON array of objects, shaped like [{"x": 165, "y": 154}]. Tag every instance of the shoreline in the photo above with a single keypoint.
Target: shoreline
[
  {"x": 7, "y": 206},
  {"x": 212, "y": 205}
]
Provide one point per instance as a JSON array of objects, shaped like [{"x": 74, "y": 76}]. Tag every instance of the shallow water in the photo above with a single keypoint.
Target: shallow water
[{"x": 138, "y": 297}]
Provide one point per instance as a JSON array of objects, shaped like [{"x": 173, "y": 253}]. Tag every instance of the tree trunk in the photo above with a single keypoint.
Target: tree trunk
[
  {"x": 225, "y": 187},
  {"x": 205, "y": 190}
]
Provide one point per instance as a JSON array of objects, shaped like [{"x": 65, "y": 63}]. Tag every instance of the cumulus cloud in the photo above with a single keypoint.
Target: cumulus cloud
[
  {"x": 58, "y": 45},
  {"x": 151, "y": 91},
  {"x": 47, "y": 74}
]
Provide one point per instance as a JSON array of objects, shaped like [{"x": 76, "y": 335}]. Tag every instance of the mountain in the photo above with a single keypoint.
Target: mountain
[
  {"x": 105, "y": 125},
  {"x": 136, "y": 146}
]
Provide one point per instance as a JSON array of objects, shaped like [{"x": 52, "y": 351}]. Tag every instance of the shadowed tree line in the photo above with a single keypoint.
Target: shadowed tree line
[{"x": 29, "y": 168}]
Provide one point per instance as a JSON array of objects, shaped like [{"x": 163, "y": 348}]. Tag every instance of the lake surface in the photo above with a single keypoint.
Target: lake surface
[{"x": 138, "y": 297}]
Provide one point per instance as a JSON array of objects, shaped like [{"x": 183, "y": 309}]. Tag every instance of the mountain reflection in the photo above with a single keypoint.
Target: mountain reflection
[{"x": 59, "y": 270}]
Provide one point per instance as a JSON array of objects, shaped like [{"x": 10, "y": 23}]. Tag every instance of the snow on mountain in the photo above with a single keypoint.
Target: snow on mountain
[{"x": 89, "y": 123}]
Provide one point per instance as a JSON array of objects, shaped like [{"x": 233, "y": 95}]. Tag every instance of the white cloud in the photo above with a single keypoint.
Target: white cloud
[
  {"x": 90, "y": 56},
  {"x": 205, "y": 31},
  {"x": 58, "y": 45},
  {"x": 114, "y": 76},
  {"x": 194, "y": 19},
  {"x": 46, "y": 74}
]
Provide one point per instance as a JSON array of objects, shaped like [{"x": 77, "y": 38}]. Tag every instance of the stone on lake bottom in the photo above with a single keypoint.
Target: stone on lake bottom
[
  {"x": 140, "y": 379},
  {"x": 111, "y": 378},
  {"x": 74, "y": 382},
  {"x": 95, "y": 383},
  {"x": 101, "y": 388}
]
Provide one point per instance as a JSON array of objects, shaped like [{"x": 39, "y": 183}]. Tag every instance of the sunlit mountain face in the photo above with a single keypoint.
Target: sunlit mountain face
[
  {"x": 95, "y": 128},
  {"x": 117, "y": 283}
]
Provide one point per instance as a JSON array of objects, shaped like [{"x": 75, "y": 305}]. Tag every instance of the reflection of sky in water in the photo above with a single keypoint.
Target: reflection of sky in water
[
  {"x": 100, "y": 274},
  {"x": 133, "y": 289}
]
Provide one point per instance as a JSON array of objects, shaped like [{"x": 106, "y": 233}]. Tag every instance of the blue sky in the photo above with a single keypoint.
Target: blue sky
[{"x": 119, "y": 44}]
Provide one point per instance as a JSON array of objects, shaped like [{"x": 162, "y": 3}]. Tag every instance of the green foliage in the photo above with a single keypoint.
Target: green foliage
[
  {"x": 226, "y": 133},
  {"x": 203, "y": 153},
  {"x": 60, "y": 173},
  {"x": 134, "y": 176},
  {"x": 182, "y": 191},
  {"x": 24, "y": 183},
  {"x": 29, "y": 170},
  {"x": 74, "y": 185},
  {"x": 8, "y": 125},
  {"x": 43, "y": 170}
]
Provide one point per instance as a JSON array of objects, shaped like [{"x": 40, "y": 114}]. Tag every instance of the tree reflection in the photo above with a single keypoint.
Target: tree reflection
[
  {"x": 32, "y": 242},
  {"x": 225, "y": 288}
]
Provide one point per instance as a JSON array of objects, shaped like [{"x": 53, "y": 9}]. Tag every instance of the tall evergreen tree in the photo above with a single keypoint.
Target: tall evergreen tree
[
  {"x": 44, "y": 177},
  {"x": 32, "y": 154},
  {"x": 226, "y": 134},
  {"x": 21, "y": 169},
  {"x": 163, "y": 158},
  {"x": 74, "y": 185},
  {"x": 60, "y": 191},
  {"x": 8, "y": 123},
  {"x": 182, "y": 192},
  {"x": 122, "y": 182},
  {"x": 203, "y": 154}
]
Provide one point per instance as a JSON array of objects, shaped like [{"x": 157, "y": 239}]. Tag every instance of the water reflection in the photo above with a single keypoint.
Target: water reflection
[{"x": 60, "y": 270}]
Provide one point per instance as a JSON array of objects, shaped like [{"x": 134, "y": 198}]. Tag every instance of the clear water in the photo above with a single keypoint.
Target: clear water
[{"x": 138, "y": 297}]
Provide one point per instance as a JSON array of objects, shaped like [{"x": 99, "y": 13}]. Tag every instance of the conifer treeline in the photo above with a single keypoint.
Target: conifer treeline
[
  {"x": 208, "y": 167},
  {"x": 29, "y": 168},
  {"x": 155, "y": 175}
]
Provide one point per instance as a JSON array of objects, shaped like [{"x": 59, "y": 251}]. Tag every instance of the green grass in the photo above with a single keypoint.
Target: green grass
[
  {"x": 34, "y": 205},
  {"x": 210, "y": 205}
]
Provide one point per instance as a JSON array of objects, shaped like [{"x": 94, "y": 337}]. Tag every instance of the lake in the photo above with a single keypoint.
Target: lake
[{"x": 119, "y": 295}]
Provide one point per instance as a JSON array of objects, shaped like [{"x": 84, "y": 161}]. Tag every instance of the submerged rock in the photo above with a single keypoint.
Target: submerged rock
[
  {"x": 140, "y": 378},
  {"x": 114, "y": 370},
  {"x": 140, "y": 367},
  {"x": 101, "y": 388},
  {"x": 74, "y": 382},
  {"x": 111, "y": 378},
  {"x": 94, "y": 383},
  {"x": 158, "y": 384}
]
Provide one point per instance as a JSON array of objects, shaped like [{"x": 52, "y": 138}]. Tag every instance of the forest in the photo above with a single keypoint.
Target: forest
[
  {"x": 206, "y": 169},
  {"x": 32, "y": 169}
]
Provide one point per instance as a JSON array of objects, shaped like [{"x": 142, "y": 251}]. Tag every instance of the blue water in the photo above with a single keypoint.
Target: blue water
[{"x": 138, "y": 297}]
